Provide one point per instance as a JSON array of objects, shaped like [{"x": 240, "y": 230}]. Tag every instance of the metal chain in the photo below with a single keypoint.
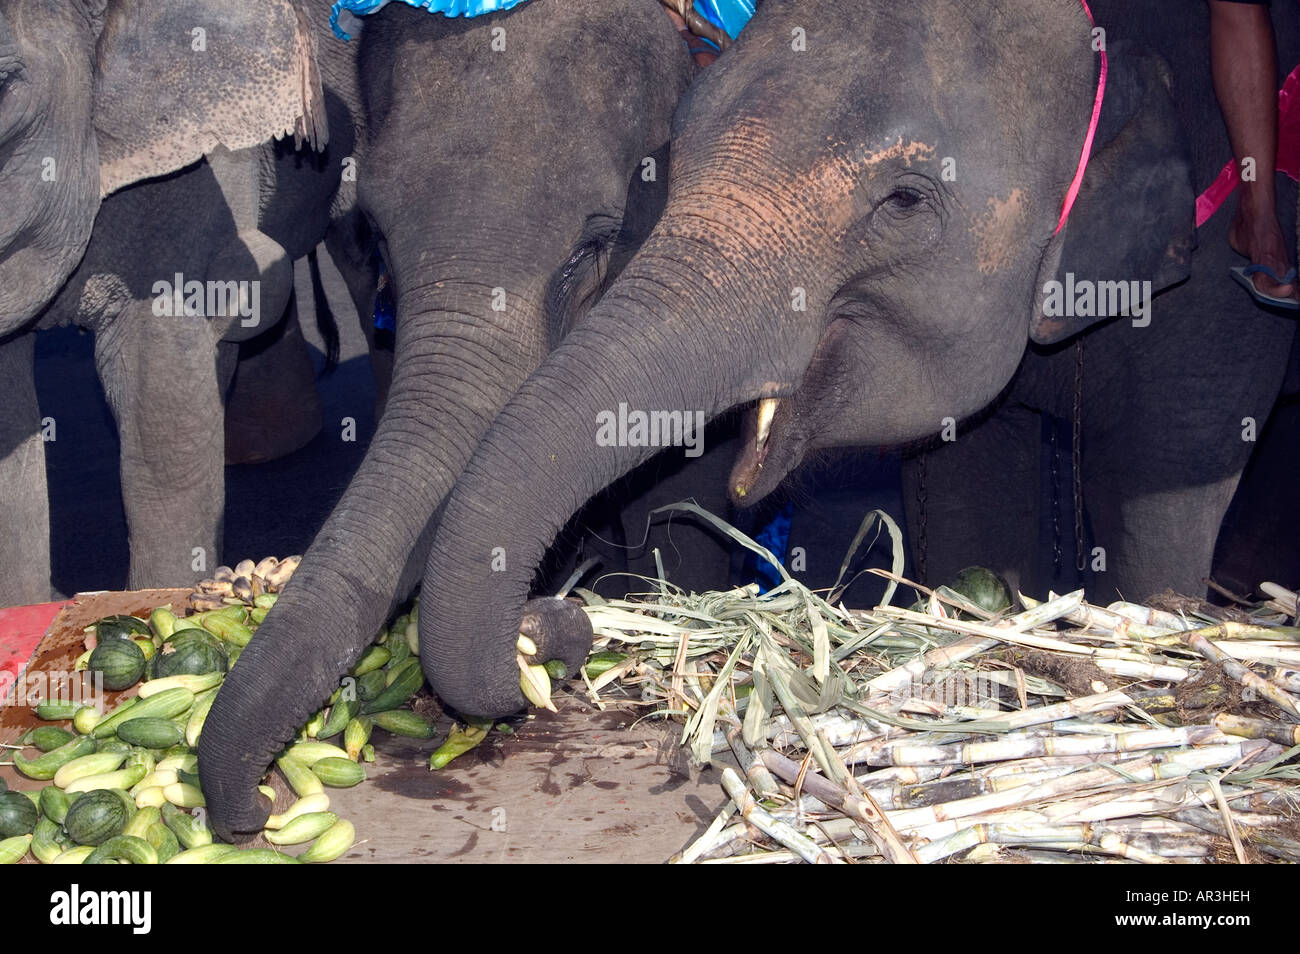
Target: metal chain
[
  {"x": 922, "y": 544},
  {"x": 1054, "y": 449},
  {"x": 1076, "y": 456}
]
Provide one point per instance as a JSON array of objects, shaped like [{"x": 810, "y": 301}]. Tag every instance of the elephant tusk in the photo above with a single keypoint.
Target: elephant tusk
[{"x": 766, "y": 411}]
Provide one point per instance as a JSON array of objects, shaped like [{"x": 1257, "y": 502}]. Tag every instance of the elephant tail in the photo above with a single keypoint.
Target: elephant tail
[{"x": 325, "y": 323}]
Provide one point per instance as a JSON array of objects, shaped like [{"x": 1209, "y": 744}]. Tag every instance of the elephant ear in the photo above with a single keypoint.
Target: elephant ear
[
  {"x": 176, "y": 80},
  {"x": 1134, "y": 218}
]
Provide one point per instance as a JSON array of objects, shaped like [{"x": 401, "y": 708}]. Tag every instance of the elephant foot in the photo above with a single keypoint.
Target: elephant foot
[{"x": 560, "y": 629}]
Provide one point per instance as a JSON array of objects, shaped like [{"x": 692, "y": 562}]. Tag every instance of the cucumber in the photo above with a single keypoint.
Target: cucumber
[
  {"x": 375, "y": 657},
  {"x": 300, "y": 778},
  {"x": 163, "y": 622},
  {"x": 54, "y": 804},
  {"x": 404, "y": 722},
  {"x": 85, "y": 719},
  {"x": 163, "y": 841},
  {"x": 194, "y": 684},
  {"x": 406, "y": 681},
  {"x": 75, "y": 855},
  {"x": 47, "y": 738},
  {"x": 189, "y": 831},
  {"x": 336, "y": 840},
  {"x": 356, "y": 735},
  {"x": 340, "y": 714},
  {"x": 257, "y": 856},
  {"x": 94, "y": 764},
  {"x": 13, "y": 850},
  {"x": 121, "y": 779},
  {"x": 141, "y": 820},
  {"x": 56, "y": 711},
  {"x": 601, "y": 663},
  {"x": 303, "y": 828},
  {"x": 129, "y": 848},
  {"x": 311, "y": 752},
  {"x": 371, "y": 685},
  {"x": 201, "y": 854},
  {"x": 166, "y": 704},
  {"x": 150, "y": 732},
  {"x": 45, "y": 841},
  {"x": 199, "y": 717},
  {"x": 338, "y": 773}
]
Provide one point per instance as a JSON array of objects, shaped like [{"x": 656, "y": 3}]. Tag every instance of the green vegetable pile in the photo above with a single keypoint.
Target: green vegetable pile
[{"x": 124, "y": 786}]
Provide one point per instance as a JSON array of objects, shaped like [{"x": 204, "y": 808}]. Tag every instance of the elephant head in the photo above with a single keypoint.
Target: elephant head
[
  {"x": 97, "y": 94},
  {"x": 513, "y": 160},
  {"x": 862, "y": 217}
]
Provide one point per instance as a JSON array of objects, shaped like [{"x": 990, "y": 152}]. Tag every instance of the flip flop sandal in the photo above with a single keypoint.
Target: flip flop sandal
[{"x": 1243, "y": 275}]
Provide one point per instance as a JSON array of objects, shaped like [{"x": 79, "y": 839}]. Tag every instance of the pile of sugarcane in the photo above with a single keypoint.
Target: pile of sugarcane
[{"x": 1062, "y": 732}]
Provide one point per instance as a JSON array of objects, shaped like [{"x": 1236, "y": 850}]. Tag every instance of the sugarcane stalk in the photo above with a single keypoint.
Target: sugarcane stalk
[
  {"x": 1235, "y": 670},
  {"x": 706, "y": 841},
  {"x": 859, "y": 806},
  {"x": 761, "y": 819},
  {"x": 1248, "y": 728}
]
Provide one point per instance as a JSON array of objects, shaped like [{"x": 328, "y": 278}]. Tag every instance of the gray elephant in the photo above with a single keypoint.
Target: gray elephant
[
  {"x": 169, "y": 225},
  {"x": 864, "y": 234},
  {"x": 513, "y": 162}
]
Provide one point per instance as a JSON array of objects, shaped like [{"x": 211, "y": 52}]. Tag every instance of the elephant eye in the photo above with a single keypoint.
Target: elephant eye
[{"x": 904, "y": 198}]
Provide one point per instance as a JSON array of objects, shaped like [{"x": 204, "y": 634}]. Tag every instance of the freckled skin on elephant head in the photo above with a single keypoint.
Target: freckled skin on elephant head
[
  {"x": 513, "y": 160},
  {"x": 862, "y": 208}
]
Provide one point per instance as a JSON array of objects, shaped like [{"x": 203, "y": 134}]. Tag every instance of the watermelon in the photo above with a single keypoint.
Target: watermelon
[
  {"x": 120, "y": 660},
  {"x": 983, "y": 587},
  {"x": 18, "y": 815},
  {"x": 120, "y": 627},
  {"x": 96, "y": 816},
  {"x": 194, "y": 652}
]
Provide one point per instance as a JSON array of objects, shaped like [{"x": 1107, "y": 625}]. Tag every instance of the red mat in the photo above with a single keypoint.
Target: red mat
[{"x": 21, "y": 628}]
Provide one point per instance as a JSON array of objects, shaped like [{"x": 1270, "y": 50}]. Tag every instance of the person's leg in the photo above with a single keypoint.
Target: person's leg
[{"x": 1245, "y": 81}]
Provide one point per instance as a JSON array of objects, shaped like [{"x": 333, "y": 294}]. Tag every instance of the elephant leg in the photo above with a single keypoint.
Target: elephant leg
[
  {"x": 24, "y": 504},
  {"x": 273, "y": 408},
  {"x": 160, "y": 377},
  {"x": 977, "y": 500}
]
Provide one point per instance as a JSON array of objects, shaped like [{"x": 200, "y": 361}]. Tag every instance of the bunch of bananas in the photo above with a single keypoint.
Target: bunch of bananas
[{"x": 243, "y": 583}]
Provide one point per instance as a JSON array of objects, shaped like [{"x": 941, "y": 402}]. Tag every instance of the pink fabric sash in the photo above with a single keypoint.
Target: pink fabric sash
[
  {"x": 1288, "y": 151},
  {"x": 1073, "y": 192}
]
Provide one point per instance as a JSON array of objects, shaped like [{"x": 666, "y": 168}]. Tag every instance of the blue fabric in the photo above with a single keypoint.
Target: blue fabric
[
  {"x": 451, "y": 8},
  {"x": 730, "y": 15},
  {"x": 776, "y": 537},
  {"x": 385, "y": 316}
]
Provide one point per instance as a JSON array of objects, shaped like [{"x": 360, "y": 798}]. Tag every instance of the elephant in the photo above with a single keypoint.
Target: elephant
[
  {"x": 156, "y": 181},
  {"x": 868, "y": 232},
  {"x": 512, "y": 163}
]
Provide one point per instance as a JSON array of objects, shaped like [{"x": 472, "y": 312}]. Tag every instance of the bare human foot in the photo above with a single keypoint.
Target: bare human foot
[{"x": 1257, "y": 235}]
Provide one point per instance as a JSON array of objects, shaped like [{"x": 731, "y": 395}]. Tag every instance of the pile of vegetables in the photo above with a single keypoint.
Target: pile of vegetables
[{"x": 123, "y": 785}]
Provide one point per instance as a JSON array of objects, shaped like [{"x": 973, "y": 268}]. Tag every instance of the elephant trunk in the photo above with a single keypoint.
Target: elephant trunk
[
  {"x": 367, "y": 557},
  {"x": 562, "y": 439}
]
